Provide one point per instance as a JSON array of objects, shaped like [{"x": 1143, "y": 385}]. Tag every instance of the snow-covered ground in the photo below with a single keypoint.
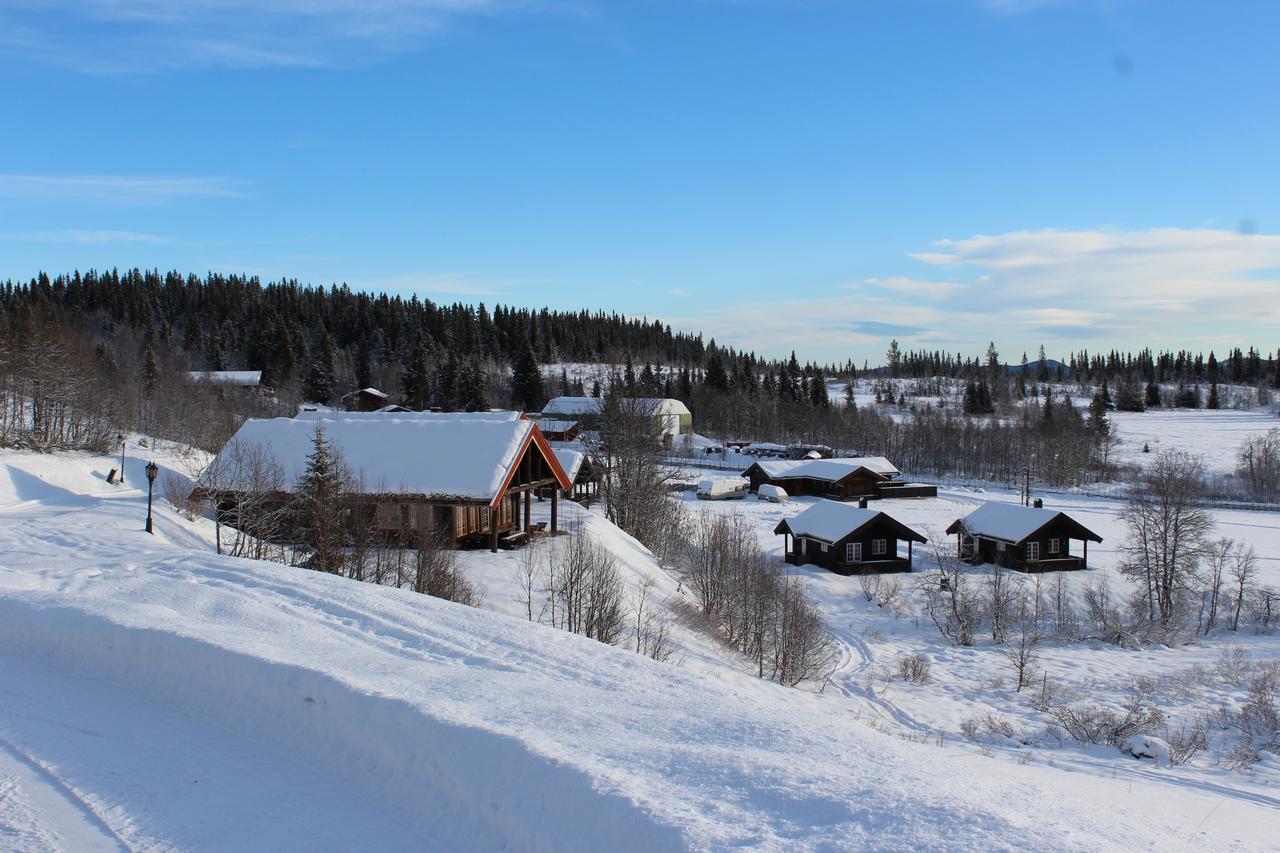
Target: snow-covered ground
[
  {"x": 158, "y": 696},
  {"x": 968, "y": 682},
  {"x": 1213, "y": 435}
]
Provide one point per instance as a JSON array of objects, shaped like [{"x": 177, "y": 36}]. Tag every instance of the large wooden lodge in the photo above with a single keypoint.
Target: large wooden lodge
[{"x": 468, "y": 476}]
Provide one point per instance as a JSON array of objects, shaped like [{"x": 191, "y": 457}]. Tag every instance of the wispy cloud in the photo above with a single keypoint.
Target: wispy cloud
[
  {"x": 83, "y": 237},
  {"x": 112, "y": 36},
  {"x": 114, "y": 188},
  {"x": 1065, "y": 289},
  {"x": 677, "y": 291}
]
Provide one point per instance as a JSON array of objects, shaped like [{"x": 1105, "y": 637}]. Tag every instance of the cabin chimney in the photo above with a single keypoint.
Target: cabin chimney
[
  {"x": 862, "y": 503},
  {"x": 1038, "y": 503}
]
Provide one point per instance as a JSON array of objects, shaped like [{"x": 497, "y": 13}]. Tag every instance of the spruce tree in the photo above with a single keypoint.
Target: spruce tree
[
  {"x": 1213, "y": 397},
  {"x": 319, "y": 388},
  {"x": 319, "y": 496},
  {"x": 526, "y": 380},
  {"x": 415, "y": 381}
]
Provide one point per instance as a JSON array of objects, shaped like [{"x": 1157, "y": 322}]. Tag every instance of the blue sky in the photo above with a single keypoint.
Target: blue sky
[{"x": 811, "y": 175}]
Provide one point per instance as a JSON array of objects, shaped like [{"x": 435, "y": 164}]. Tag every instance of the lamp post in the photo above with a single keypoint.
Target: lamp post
[
  {"x": 120, "y": 438},
  {"x": 152, "y": 469}
]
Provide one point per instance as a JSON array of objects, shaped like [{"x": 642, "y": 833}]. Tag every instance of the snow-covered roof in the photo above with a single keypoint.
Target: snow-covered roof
[
  {"x": 555, "y": 424},
  {"x": 570, "y": 460},
  {"x": 226, "y": 377},
  {"x": 382, "y": 414},
  {"x": 371, "y": 391},
  {"x": 1011, "y": 522},
  {"x": 449, "y": 456},
  {"x": 831, "y": 521},
  {"x": 591, "y": 405},
  {"x": 826, "y": 469}
]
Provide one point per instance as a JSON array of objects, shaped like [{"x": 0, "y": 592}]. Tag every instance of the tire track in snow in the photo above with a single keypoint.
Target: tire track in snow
[{"x": 74, "y": 800}]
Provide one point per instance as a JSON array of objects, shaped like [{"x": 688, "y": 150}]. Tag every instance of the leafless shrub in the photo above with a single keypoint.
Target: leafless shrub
[
  {"x": 651, "y": 629},
  {"x": 180, "y": 494},
  {"x": 1090, "y": 723},
  {"x": 436, "y": 573},
  {"x": 954, "y": 606},
  {"x": 1021, "y": 654},
  {"x": 870, "y": 585},
  {"x": 1233, "y": 665},
  {"x": 914, "y": 668},
  {"x": 1241, "y": 756},
  {"x": 1186, "y": 739},
  {"x": 984, "y": 727}
]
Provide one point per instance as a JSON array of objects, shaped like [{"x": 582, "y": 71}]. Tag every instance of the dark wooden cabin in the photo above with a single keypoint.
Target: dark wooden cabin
[
  {"x": 1026, "y": 539},
  {"x": 847, "y": 539},
  {"x": 841, "y": 479},
  {"x": 365, "y": 400}
]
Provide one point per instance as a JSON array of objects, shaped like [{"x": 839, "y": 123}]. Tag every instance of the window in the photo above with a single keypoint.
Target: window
[
  {"x": 853, "y": 552},
  {"x": 1053, "y": 546},
  {"x": 1033, "y": 550},
  {"x": 878, "y": 546},
  {"x": 388, "y": 516},
  {"x": 824, "y": 547},
  {"x": 999, "y": 546}
]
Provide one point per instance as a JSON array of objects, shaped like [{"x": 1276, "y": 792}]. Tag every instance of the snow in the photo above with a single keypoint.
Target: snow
[
  {"x": 770, "y": 492},
  {"x": 831, "y": 520},
  {"x": 177, "y": 699},
  {"x": 591, "y": 405},
  {"x": 570, "y": 460},
  {"x": 1007, "y": 522},
  {"x": 713, "y": 487},
  {"x": 381, "y": 415},
  {"x": 441, "y": 456},
  {"x": 1215, "y": 435},
  {"x": 828, "y": 469},
  {"x": 226, "y": 377}
]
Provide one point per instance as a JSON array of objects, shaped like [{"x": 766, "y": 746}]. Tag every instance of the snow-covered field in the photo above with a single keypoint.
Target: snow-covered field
[
  {"x": 1213, "y": 435},
  {"x": 158, "y": 696}
]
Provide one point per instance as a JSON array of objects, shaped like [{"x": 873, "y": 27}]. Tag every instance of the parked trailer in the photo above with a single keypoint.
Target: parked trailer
[
  {"x": 771, "y": 493},
  {"x": 712, "y": 489}
]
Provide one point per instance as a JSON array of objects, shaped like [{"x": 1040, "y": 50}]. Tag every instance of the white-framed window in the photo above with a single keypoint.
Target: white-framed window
[
  {"x": 1033, "y": 550},
  {"x": 853, "y": 552},
  {"x": 824, "y": 547},
  {"x": 999, "y": 546},
  {"x": 804, "y": 545},
  {"x": 1054, "y": 546},
  {"x": 879, "y": 546}
]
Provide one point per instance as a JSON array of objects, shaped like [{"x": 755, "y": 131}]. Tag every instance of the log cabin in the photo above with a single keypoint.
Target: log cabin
[
  {"x": 365, "y": 400},
  {"x": 469, "y": 477},
  {"x": 841, "y": 479},
  {"x": 847, "y": 539},
  {"x": 1026, "y": 539}
]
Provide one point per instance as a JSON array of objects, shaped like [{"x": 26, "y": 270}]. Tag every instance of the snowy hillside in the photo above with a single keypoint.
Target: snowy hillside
[{"x": 159, "y": 696}]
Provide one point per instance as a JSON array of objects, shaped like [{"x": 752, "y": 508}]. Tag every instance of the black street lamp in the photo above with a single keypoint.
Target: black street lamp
[
  {"x": 152, "y": 470},
  {"x": 120, "y": 438}
]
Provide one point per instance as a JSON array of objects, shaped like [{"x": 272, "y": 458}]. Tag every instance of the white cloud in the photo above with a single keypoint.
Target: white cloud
[
  {"x": 1160, "y": 287},
  {"x": 113, "y": 188},
  {"x": 77, "y": 236},
  {"x": 112, "y": 36},
  {"x": 677, "y": 291}
]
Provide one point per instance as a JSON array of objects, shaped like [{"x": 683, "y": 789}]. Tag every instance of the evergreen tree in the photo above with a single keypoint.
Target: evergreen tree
[
  {"x": 1213, "y": 396},
  {"x": 320, "y": 505},
  {"x": 150, "y": 371},
  {"x": 319, "y": 387},
  {"x": 1152, "y": 395},
  {"x": 415, "y": 381},
  {"x": 1097, "y": 420},
  {"x": 526, "y": 380}
]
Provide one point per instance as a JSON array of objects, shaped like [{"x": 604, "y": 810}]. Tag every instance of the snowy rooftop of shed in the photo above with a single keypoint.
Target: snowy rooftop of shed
[
  {"x": 591, "y": 405},
  {"x": 383, "y": 414},
  {"x": 449, "y": 456},
  {"x": 827, "y": 469}
]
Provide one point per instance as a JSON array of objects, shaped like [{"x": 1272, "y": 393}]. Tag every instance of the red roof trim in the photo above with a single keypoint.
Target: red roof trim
[{"x": 536, "y": 437}]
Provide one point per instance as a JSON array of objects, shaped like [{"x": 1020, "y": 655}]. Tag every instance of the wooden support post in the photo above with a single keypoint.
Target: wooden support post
[
  {"x": 909, "y": 560},
  {"x": 555, "y": 506},
  {"x": 527, "y": 500},
  {"x": 1084, "y": 561},
  {"x": 493, "y": 530}
]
